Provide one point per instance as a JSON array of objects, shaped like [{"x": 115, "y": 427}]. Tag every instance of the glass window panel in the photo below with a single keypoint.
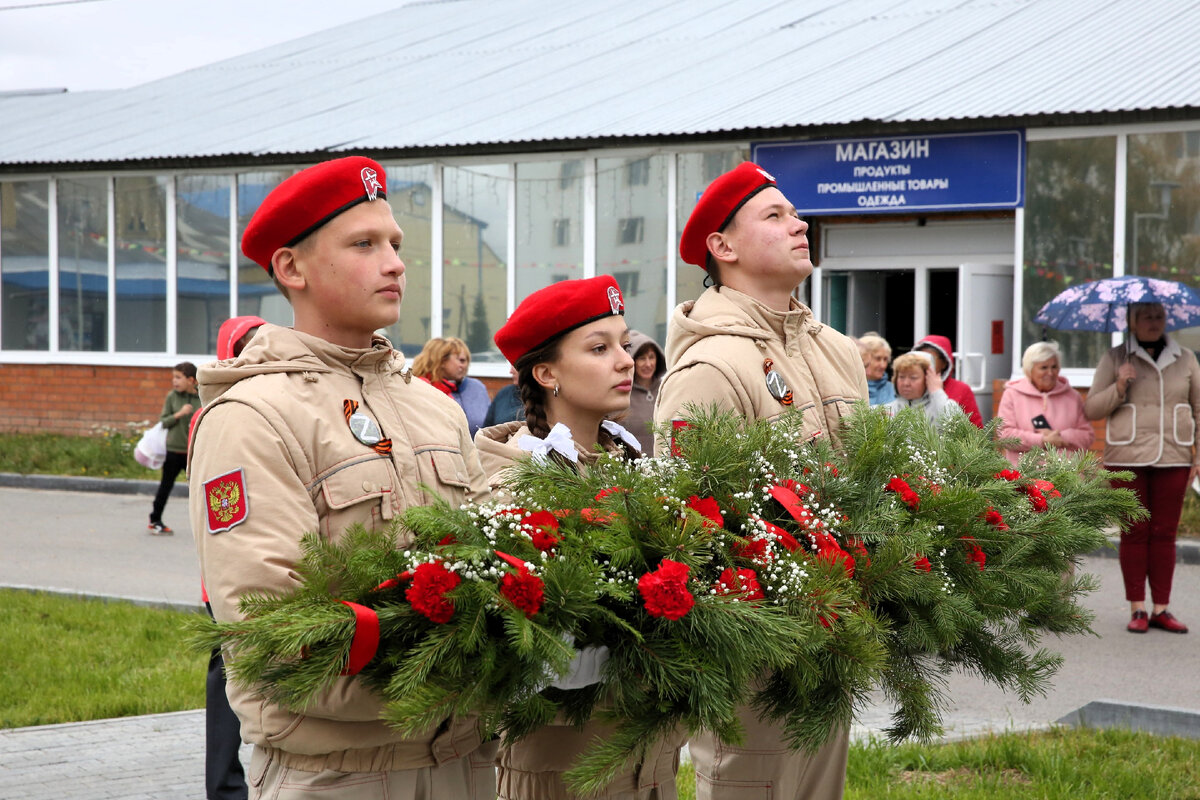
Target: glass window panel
[
  {"x": 1162, "y": 223},
  {"x": 1069, "y": 197},
  {"x": 141, "y": 264},
  {"x": 549, "y": 224},
  {"x": 631, "y": 237},
  {"x": 83, "y": 264},
  {"x": 257, "y": 294},
  {"x": 25, "y": 265},
  {"x": 202, "y": 242},
  {"x": 475, "y": 243},
  {"x": 694, "y": 172},
  {"x": 411, "y": 196}
]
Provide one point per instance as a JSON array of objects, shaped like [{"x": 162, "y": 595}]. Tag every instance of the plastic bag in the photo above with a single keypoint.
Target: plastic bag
[{"x": 151, "y": 449}]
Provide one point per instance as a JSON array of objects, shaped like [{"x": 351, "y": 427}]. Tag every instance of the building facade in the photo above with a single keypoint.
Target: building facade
[{"x": 116, "y": 259}]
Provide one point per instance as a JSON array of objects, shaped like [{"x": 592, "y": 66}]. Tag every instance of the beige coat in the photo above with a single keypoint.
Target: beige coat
[
  {"x": 716, "y": 348},
  {"x": 532, "y": 768},
  {"x": 1156, "y": 423},
  {"x": 276, "y": 414}
]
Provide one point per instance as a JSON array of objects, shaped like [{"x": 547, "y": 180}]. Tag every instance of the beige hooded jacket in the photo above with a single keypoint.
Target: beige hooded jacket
[
  {"x": 717, "y": 353},
  {"x": 275, "y": 428}
]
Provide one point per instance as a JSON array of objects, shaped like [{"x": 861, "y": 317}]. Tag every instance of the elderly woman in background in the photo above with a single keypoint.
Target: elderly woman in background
[
  {"x": 1041, "y": 410},
  {"x": 876, "y": 354},
  {"x": 443, "y": 364},
  {"x": 1148, "y": 388},
  {"x": 918, "y": 385}
]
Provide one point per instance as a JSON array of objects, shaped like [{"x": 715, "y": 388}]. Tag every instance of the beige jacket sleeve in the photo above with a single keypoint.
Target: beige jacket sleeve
[{"x": 257, "y": 556}]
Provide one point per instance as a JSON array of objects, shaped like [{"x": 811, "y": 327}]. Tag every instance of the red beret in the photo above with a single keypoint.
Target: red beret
[
  {"x": 716, "y": 208},
  {"x": 307, "y": 200},
  {"x": 233, "y": 329},
  {"x": 558, "y": 308}
]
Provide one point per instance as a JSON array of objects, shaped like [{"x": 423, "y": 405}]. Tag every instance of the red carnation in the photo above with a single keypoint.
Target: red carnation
[
  {"x": 978, "y": 556},
  {"x": 1036, "y": 499},
  {"x": 1046, "y": 488},
  {"x": 544, "y": 525},
  {"x": 665, "y": 590},
  {"x": 1008, "y": 475},
  {"x": 922, "y": 564},
  {"x": 709, "y": 509},
  {"x": 744, "y": 582},
  {"x": 430, "y": 582},
  {"x": 751, "y": 549},
  {"x": 603, "y": 493},
  {"x": 832, "y": 469},
  {"x": 524, "y": 590},
  {"x": 993, "y": 518},
  {"x": 906, "y": 493}
]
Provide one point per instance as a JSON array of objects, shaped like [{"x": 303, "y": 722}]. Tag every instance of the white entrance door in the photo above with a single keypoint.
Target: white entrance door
[{"x": 985, "y": 334}]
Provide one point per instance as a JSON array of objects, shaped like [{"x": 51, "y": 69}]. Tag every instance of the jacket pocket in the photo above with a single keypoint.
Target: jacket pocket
[
  {"x": 449, "y": 467},
  {"x": 1122, "y": 425},
  {"x": 1185, "y": 424},
  {"x": 359, "y": 492}
]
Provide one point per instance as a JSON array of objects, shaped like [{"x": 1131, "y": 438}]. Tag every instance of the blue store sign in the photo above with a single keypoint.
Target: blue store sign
[{"x": 939, "y": 172}]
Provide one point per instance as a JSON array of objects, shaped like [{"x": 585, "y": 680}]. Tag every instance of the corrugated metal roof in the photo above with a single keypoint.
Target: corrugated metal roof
[{"x": 463, "y": 73}]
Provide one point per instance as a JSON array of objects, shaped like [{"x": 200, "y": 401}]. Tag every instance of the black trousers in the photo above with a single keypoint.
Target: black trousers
[
  {"x": 174, "y": 464},
  {"x": 224, "y": 777}
]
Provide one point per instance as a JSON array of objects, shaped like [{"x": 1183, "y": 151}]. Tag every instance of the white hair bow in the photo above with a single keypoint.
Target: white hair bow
[
  {"x": 559, "y": 440},
  {"x": 618, "y": 432}
]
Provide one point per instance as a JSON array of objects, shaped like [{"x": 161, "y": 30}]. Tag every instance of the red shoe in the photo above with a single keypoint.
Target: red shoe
[
  {"x": 1166, "y": 621},
  {"x": 1140, "y": 622}
]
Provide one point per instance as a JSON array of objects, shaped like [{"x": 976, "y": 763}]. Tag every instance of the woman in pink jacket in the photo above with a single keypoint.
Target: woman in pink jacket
[{"x": 1041, "y": 410}]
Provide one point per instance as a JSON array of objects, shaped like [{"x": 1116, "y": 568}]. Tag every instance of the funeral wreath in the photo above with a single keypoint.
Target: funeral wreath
[{"x": 746, "y": 567}]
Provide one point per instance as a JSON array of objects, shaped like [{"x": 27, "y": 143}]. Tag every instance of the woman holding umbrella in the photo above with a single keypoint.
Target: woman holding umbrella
[{"x": 1148, "y": 388}]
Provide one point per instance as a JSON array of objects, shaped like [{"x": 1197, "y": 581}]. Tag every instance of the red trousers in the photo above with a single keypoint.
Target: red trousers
[{"x": 1148, "y": 547}]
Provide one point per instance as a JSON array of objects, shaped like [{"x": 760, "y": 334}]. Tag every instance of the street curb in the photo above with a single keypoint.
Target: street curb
[
  {"x": 1159, "y": 720},
  {"x": 80, "y": 483},
  {"x": 145, "y": 602},
  {"x": 1187, "y": 551}
]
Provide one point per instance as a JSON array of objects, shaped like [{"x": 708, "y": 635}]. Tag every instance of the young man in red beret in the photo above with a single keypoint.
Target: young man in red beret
[
  {"x": 315, "y": 428},
  {"x": 747, "y": 345}
]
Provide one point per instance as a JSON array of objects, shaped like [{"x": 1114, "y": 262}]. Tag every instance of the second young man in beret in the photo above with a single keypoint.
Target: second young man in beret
[
  {"x": 314, "y": 428},
  {"x": 747, "y": 345}
]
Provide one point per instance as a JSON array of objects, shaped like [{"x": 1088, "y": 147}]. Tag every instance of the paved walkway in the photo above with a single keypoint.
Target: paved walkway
[{"x": 84, "y": 542}]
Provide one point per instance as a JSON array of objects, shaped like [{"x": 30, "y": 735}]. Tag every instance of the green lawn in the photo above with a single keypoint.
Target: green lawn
[
  {"x": 69, "y": 659},
  {"x": 107, "y": 454}
]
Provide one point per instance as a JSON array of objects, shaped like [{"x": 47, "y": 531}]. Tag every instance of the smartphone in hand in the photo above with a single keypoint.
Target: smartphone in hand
[{"x": 1040, "y": 423}]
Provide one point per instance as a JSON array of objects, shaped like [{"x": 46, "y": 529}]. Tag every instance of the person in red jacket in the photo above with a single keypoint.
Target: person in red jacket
[{"x": 943, "y": 355}]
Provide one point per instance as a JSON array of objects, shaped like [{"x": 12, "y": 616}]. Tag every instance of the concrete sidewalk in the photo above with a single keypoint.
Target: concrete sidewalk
[{"x": 96, "y": 543}]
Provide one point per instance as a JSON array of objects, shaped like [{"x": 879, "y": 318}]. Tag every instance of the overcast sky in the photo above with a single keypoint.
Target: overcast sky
[{"x": 111, "y": 44}]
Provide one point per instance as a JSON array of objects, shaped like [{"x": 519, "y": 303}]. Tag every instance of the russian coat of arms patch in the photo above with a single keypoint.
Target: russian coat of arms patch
[{"x": 226, "y": 500}]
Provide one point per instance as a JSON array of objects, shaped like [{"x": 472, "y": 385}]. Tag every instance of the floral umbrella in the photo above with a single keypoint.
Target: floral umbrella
[{"x": 1100, "y": 305}]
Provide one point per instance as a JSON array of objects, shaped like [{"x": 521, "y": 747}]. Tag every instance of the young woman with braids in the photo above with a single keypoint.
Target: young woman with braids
[{"x": 570, "y": 346}]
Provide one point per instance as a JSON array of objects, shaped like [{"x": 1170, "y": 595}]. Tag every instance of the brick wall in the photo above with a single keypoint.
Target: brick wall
[
  {"x": 1097, "y": 425},
  {"x": 72, "y": 399}
]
